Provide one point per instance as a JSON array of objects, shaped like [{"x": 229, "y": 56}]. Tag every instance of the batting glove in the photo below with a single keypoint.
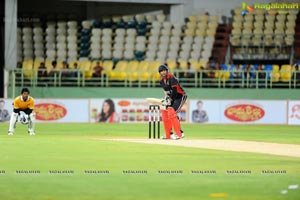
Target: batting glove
[{"x": 166, "y": 101}]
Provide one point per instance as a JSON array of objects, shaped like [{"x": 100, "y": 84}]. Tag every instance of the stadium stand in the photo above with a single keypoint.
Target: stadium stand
[{"x": 130, "y": 47}]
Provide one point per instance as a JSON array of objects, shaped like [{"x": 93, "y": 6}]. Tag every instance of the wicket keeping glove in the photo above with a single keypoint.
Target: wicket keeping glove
[{"x": 24, "y": 119}]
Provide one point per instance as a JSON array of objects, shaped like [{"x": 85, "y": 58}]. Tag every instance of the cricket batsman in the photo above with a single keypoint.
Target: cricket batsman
[
  {"x": 24, "y": 103},
  {"x": 174, "y": 99}
]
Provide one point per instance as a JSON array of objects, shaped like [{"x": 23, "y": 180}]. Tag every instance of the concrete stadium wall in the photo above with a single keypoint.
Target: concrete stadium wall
[{"x": 64, "y": 92}]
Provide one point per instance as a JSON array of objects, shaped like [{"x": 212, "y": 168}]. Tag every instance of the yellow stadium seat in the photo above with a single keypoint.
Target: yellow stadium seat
[
  {"x": 200, "y": 32},
  {"x": 203, "y": 18},
  {"x": 27, "y": 68},
  {"x": 48, "y": 64},
  {"x": 223, "y": 75},
  {"x": 202, "y": 63},
  {"x": 37, "y": 63},
  {"x": 285, "y": 73},
  {"x": 275, "y": 75},
  {"x": 108, "y": 66},
  {"x": 119, "y": 72},
  {"x": 59, "y": 64},
  {"x": 132, "y": 76},
  {"x": 143, "y": 66},
  {"x": 214, "y": 18},
  {"x": 193, "y": 18},
  {"x": 276, "y": 68},
  {"x": 132, "y": 70},
  {"x": 27, "y": 64},
  {"x": 183, "y": 64},
  {"x": 195, "y": 64},
  {"x": 171, "y": 65},
  {"x": 133, "y": 65},
  {"x": 86, "y": 67},
  {"x": 189, "y": 32},
  {"x": 72, "y": 62},
  {"x": 145, "y": 76},
  {"x": 237, "y": 11},
  {"x": 143, "y": 70},
  {"x": 153, "y": 67}
]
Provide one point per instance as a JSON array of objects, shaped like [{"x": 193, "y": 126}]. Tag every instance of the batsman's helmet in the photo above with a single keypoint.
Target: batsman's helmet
[{"x": 163, "y": 67}]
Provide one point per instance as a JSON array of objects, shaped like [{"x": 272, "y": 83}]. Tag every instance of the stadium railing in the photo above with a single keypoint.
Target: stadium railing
[{"x": 201, "y": 79}]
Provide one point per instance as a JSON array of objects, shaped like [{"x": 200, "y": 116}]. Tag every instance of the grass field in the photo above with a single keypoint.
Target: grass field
[{"x": 63, "y": 161}]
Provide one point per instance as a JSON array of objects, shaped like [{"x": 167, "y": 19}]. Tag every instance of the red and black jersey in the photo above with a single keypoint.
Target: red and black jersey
[{"x": 172, "y": 87}]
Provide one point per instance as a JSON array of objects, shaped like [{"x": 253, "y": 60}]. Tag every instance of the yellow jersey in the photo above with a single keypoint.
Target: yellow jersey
[{"x": 19, "y": 103}]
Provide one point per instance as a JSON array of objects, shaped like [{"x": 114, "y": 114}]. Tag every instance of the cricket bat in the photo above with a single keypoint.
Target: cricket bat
[{"x": 154, "y": 101}]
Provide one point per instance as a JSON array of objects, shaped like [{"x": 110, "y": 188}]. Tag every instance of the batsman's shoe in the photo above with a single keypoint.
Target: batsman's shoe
[
  {"x": 182, "y": 135},
  {"x": 165, "y": 137},
  {"x": 174, "y": 137},
  {"x": 10, "y": 133}
]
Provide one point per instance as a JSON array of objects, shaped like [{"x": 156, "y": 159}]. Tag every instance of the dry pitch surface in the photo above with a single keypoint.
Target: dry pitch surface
[{"x": 291, "y": 150}]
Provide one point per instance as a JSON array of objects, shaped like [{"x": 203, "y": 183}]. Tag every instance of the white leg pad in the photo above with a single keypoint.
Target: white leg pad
[
  {"x": 13, "y": 121},
  {"x": 31, "y": 124}
]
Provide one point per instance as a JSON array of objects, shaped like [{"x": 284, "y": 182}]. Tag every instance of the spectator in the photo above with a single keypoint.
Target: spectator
[
  {"x": 65, "y": 74},
  {"x": 202, "y": 74},
  {"x": 178, "y": 70},
  {"x": 236, "y": 76},
  {"x": 75, "y": 73},
  {"x": 201, "y": 70},
  {"x": 54, "y": 73},
  {"x": 42, "y": 72},
  {"x": 296, "y": 75},
  {"x": 247, "y": 75},
  {"x": 54, "y": 70},
  {"x": 259, "y": 76},
  {"x": 97, "y": 70},
  {"x": 190, "y": 71},
  {"x": 19, "y": 68},
  {"x": 65, "y": 70},
  {"x": 108, "y": 112},
  {"x": 4, "y": 114},
  {"x": 20, "y": 76},
  {"x": 213, "y": 72}
]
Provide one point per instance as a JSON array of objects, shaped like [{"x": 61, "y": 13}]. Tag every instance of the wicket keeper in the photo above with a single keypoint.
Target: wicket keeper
[
  {"x": 174, "y": 99},
  {"x": 24, "y": 103}
]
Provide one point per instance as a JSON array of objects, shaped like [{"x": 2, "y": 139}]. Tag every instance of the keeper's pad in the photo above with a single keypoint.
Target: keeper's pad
[
  {"x": 174, "y": 120},
  {"x": 31, "y": 124},
  {"x": 13, "y": 121}
]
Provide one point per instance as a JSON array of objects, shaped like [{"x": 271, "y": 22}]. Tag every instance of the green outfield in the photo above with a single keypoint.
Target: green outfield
[{"x": 64, "y": 161}]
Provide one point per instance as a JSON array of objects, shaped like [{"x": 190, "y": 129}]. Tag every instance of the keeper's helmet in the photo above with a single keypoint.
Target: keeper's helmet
[{"x": 163, "y": 67}]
